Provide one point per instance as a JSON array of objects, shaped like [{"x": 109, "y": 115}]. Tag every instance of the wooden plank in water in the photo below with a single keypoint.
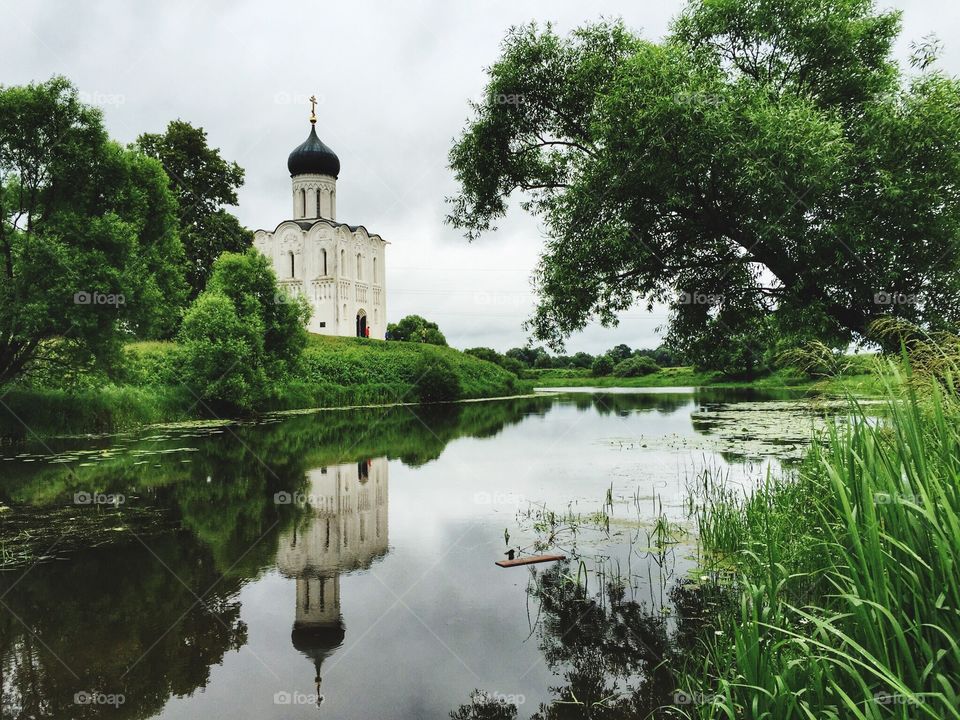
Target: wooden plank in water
[{"x": 530, "y": 560}]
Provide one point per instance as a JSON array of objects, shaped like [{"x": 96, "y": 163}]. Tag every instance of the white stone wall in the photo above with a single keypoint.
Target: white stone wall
[
  {"x": 308, "y": 191},
  {"x": 352, "y": 280}
]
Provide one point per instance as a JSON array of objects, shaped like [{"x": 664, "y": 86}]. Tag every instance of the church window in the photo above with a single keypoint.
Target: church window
[
  {"x": 324, "y": 257},
  {"x": 359, "y": 267},
  {"x": 374, "y": 278},
  {"x": 343, "y": 263},
  {"x": 319, "y": 214},
  {"x": 292, "y": 268},
  {"x": 303, "y": 203}
]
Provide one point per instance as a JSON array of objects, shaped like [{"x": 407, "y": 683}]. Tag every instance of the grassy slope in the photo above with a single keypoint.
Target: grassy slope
[{"x": 336, "y": 372}]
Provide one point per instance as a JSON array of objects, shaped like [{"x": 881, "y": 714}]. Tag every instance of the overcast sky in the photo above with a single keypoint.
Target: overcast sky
[{"x": 393, "y": 80}]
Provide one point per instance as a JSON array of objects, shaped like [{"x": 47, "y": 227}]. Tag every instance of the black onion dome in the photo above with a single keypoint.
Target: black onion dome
[{"x": 313, "y": 158}]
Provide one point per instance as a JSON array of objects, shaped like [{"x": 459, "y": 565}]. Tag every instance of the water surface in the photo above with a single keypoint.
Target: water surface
[{"x": 346, "y": 558}]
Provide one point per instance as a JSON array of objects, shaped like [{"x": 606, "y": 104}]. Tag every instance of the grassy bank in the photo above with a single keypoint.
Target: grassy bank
[
  {"x": 848, "y": 596},
  {"x": 861, "y": 383},
  {"x": 333, "y": 372}
]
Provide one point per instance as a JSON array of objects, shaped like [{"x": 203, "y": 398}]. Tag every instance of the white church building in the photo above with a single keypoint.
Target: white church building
[{"x": 338, "y": 268}]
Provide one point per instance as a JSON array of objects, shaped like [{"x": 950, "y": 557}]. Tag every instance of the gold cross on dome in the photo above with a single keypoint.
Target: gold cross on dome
[{"x": 313, "y": 109}]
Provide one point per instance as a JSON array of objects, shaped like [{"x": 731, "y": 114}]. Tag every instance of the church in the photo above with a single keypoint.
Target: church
[{"x": 338, "y": 268}]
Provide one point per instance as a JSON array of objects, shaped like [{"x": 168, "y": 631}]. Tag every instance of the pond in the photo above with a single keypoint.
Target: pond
[{"x": 346, "y": 558}]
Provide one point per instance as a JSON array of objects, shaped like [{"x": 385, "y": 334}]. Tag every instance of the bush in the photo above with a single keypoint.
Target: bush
[
  {"x": 414, "y": 328},
  {"x": 239, "y": 332},
  {"x": 635, "y": 366},
  {"x": 602, "y": 366},
  {"x": 222, "y": 354},
  {"x": 436, "y": 379}
]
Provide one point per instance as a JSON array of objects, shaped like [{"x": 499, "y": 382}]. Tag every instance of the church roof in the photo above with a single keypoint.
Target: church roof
[
  {"x": 307, "y": 224},
  {"x": 313, "y": 157}
]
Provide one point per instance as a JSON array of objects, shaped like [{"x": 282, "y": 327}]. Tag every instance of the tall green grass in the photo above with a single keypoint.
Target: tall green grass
[{"x": 848, "y": 575}]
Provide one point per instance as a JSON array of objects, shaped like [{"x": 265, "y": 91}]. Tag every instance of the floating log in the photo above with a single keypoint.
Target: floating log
[{"x": 530, "y": 560}]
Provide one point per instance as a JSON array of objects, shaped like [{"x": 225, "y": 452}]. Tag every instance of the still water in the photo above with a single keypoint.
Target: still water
[{"x": 341, "y": 563}]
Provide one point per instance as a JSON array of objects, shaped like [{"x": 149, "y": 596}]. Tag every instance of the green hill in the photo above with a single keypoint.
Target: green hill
[{"x": 334, "y": 372}]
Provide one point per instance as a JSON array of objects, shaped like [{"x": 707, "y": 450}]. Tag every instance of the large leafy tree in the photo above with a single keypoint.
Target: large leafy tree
[
  {"x": 81, "y": 220},
  {"x": 767, "y": 167},
  {"x": 204, "y": 183}
]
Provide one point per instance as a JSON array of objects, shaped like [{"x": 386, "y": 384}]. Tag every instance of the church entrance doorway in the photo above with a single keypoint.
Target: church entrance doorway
[{"x": 362, "y": 330}]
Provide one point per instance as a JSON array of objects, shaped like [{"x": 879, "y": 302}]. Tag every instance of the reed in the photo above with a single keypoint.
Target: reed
[{"x": 848, "y": 572}]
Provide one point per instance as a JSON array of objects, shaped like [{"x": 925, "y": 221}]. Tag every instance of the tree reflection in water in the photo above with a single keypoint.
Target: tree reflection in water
[{"x": 618, "y": 658}]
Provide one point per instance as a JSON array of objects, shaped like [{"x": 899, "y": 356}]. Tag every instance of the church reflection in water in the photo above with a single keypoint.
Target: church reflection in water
[{"x": 344, "y": 528}]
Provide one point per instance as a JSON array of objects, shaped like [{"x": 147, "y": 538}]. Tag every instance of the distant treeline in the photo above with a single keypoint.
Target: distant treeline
[{"x": 621, "y": 356}]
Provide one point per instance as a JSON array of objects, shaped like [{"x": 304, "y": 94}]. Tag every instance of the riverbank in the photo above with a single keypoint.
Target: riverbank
[
  {"x": 843, "y": 576},
  {"x": 861, "y": 384},
  {"x": 333, "y": 372}
]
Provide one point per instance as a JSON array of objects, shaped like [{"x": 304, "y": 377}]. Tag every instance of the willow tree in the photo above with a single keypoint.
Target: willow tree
[{"x": 767, "y": 162}]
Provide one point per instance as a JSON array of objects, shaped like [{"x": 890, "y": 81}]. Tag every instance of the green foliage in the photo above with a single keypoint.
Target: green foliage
[
  {"x": 436, "y": 379},
  {"x": 603, "y": 365},
  {"x": 635, "y": 366},
  {"x": 357, "y": 361},
  {"x": 203, "y": 183},
  {"x": 491, "y": 355},
  {"x": 89, "y": 251},
  {"x": 241, "y": 333},
  {"x": 764, "y": 157},
  {"x": 414, "y": 328},
  {"x": 846, "y": 572},
  {"x": 223, "y": 353}
]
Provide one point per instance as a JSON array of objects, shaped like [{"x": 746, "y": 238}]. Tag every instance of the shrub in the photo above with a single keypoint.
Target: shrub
[
  {"x": 635, "y": 366},
  {"x": 414, "y": 328},
  {"x": 222, "y": 353},
  {"x": 436, "y": 379},
  {"x": 240, "y": 331},
  {"x": 602, "y": 366}
]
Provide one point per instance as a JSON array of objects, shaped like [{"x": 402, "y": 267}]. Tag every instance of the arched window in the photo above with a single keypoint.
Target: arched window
[
  {"x": 343, "y": 263},
  {"x": 374, "y": 278},
  {"x": 324, "y": 258},
  {"x": 359, "y": 267},
  {"x": 292, "y": 267},
  {"x": 303, "y": 203},
  {"x": 319, "y": 214}
]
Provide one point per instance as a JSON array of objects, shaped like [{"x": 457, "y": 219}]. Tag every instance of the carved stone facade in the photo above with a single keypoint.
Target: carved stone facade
[{"x": 338, "y": 268}]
